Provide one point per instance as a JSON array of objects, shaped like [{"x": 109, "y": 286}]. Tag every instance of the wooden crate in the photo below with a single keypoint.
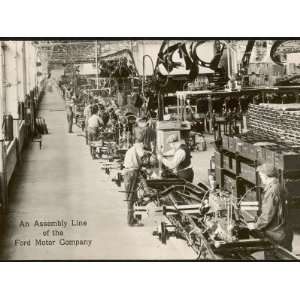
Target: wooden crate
[
  {"x": 290, "y": 161},
  {"x": 293, "y": 188},
  {"x": 218, "y": 159},
  {"x": 229, "y": 164},
  {"x": 219, "y": 179},
  {"x": 225, "y": 143},
  {"x": 232, "y": 144},
  {"x": 248, "y": 172},
  {"x": 248, "y": 151},
  {"x": 229, "y": 183}
]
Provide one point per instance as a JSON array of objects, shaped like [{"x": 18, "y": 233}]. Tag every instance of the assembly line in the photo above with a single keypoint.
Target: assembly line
[{"x": 190, "y": 149}]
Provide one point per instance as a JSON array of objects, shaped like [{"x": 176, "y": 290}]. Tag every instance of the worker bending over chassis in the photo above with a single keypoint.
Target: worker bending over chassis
[
  {"x": 132, "y": 166},
  {"x": 273, "y": 220},
  {"x": 180, "y": 164}
]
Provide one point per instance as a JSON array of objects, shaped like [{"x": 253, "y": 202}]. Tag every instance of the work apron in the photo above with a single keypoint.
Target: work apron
[
  {"x": 130, "y": 184},
  {"x": 130, "y": 181}
]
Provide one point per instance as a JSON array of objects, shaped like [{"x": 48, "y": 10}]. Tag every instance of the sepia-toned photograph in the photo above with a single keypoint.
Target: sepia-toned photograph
[{"x": 149, "y": 149}]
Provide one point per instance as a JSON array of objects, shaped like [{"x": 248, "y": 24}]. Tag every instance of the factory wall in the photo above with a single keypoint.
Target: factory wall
[
  {"x": 21, "y": 76},
  {"x": 12, "y": 82}
]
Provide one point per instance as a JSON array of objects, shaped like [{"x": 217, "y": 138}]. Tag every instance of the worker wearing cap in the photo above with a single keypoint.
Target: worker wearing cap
[
  {"x": 180, "y": 164},
  {"x": 132, "y": 165},
  {"x": 273, "y": 218},
  {"x": 94, "y": 124}
]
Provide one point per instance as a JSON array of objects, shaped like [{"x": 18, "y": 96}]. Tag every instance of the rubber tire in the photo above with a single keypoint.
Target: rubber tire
[
  {"x": 38, "y": 126},
  {"x": 163, "y": 232},
  {"x": 45, "y": 129}
]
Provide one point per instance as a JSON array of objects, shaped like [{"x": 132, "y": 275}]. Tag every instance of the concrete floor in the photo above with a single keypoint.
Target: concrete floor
[{"x": 62, "y": 182}]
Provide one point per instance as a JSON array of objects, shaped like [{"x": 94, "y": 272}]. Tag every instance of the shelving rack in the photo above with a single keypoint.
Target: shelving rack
[{"x": 236, "y": 162}]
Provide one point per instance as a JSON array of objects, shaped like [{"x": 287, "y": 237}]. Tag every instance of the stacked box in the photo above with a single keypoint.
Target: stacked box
[
  {"x": 293, "y": 187},
  {"x": 225, "y": 143},
  {"x": 218, "y": 159},
  {"x": 248, "y": 151},
  {"x": 218, "y": 173},
  {"x": 248, "y": 172},
  {"x": 229, "y": 164},
  {"x": 231, "y": 144},
  {"x": 229, "y": 183}
]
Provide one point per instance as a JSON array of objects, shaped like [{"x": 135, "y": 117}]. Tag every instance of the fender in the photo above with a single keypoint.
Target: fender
[
  {"x": 274, "y": 48},
  {"x": 250, "y": 45},
  {"x": 214, "y": 63},
  {"x": 247, "y": 55},
  {"x": 195, "y": 57},
  {"x": 191, "y": 59},
  {"x": 216, "y": 60},
  {"x": 189, "y": 63},
  {"x": 165, "y": 57}
]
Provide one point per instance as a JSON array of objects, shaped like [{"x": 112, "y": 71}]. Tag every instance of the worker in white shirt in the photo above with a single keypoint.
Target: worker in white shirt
[
  {"x": 87, "y": 114},
  {"x": 74, "y": 101},
  {"x": 67, "y": 93},
  {"x": 180, "y": 164},
  {"x": 88, "y": 111},
  {"x": 94, "y": 124},
  {"x": 70, "y": 112},
  {"x": 132, "y": 164},
  {"x": 273, "y": 218}
]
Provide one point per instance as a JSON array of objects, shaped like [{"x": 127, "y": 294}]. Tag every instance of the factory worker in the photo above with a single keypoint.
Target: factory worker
[
  {"x": 180, "y": 164},
  {"x": 70, "y": 113},
  {"x": 88, "y": 111},
  {"x": 141, "y": 122},
  {"x": 189, "y": 114},
  {"x": 273, "y": 218},
  {"x": 94, "y": 123},
  {"x": 87, "y": 114},
  {"x": 70, "y": 116},
  {"x": 132, "y": 165}
]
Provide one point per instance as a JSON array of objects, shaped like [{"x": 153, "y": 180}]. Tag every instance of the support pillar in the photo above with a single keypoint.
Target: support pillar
[
  {"x": 3, "y": 81},
  {"x": 210, "y": 109},
  {"x": 3, "y": 177},
  {"x": 24, "y": 70},
  {"x": 160, "y": 106}
]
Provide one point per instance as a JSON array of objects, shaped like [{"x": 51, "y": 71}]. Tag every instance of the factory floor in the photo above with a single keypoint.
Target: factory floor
[{"x": 62, "y": 183}]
